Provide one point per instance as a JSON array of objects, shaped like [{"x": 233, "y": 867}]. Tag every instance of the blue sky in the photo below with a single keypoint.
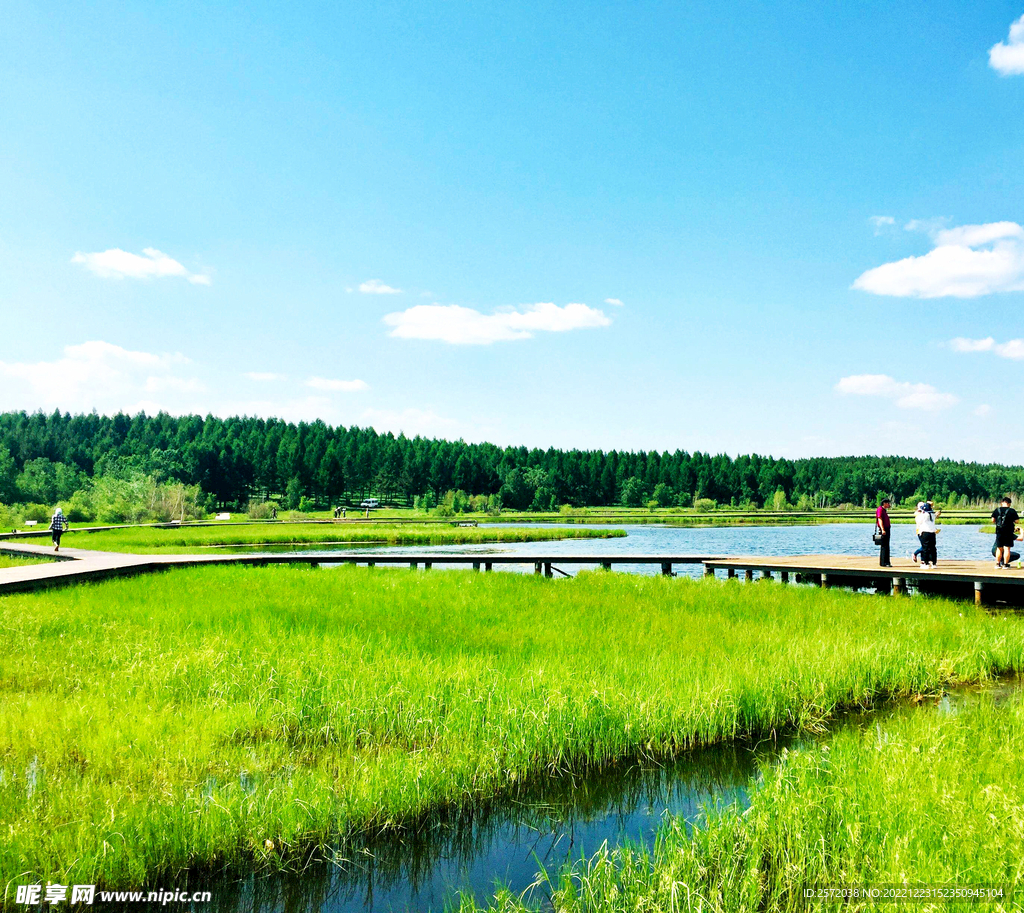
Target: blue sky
[{"x": 785, "y": 228}]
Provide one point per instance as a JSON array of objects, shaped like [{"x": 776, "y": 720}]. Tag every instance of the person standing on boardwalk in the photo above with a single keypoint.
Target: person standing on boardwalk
[
  {"x": 58, "y": 524},
  {"x": 884, "y": 527},
  {"x": 1005, "y": 519},
  {"x": 924, "y": 518}
]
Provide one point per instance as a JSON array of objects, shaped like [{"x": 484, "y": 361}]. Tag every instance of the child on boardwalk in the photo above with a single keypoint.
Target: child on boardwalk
[{"x": 58, "y": 523}]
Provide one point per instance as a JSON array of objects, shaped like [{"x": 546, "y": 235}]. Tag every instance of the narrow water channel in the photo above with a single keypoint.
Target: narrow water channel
[{"x": 548, "y": 824}]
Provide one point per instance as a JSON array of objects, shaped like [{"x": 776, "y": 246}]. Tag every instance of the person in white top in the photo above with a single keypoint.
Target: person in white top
[{"x": 924, "y": 519}]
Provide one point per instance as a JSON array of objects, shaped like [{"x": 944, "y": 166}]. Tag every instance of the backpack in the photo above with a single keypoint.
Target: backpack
[{"x": 1003, "y": 521}]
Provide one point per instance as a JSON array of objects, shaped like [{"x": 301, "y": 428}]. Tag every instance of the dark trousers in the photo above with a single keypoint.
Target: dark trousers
[
  {"x": 883, "y": 555},
  {"x": 928, "y": 553}
]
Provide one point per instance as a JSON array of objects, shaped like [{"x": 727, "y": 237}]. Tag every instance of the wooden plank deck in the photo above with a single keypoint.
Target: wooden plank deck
[
  {"x": 952, "y": 577},
  {"x": 847, "y": 570},
  {"x": 76, "y": 564}
]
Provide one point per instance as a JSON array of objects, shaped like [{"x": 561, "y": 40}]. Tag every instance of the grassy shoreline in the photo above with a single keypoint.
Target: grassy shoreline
[
  {"x": 928, "y": 800},
  {"x": 241, "y": 717},
  {"x": 149, "y": 540}
]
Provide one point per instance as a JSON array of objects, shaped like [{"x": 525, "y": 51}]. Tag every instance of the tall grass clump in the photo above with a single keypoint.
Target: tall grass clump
[
  {"x": 923, "y": 800},
  {"x": 230, "y": 716},
  {"x": 144, "y": 540}
]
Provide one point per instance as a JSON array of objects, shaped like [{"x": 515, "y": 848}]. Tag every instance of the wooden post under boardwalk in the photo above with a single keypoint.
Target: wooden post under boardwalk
[
  {"x": 824, "y": 581},
  {"x": 979, "y": 593},
  {"x": 536, "y": 567},
  {"x": 748, "y": 574},
  {"x": 476, "y": 565},
  {"x": 709, "y": 571},
  {"x": 666, "y": 569},
  {"x": 427, "y": 565},
  {"x": 607, "y": 566},
  {"x": 731, "y": 573},
  {"x": 487, "y": 565},
  {"x": 547, "y": 569},
  {"x": 766, "y": 575},
  {"x": 784, "y": 576},
  {"x": 413, "y": 565},
  {"x": 899, "y": 586}
]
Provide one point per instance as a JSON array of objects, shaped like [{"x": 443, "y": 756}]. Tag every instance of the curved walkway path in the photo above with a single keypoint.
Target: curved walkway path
[{"x": 73, "y": 565}]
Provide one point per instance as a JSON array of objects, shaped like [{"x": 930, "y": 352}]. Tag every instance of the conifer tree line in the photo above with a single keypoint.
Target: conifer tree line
[{"x": 233, "y": 461}]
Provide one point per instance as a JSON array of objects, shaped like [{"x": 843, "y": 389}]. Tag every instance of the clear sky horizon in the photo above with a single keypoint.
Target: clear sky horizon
[{"x": 783, "y": 228}]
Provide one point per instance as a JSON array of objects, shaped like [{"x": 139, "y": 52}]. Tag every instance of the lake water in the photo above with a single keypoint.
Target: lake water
[
  {"x": 954, "y": 542},
  {"x": 545, "y": 826}
]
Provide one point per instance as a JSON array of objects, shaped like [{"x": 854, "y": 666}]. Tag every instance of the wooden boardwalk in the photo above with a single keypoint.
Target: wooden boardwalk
[
  {"x": 956, "y": 578},
  {"x": 953, "y": 578},
  {"x": 77, "y": 564}
]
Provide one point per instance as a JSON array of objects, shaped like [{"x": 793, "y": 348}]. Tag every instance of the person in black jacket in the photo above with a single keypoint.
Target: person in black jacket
[{"x": 1005, "y": 519}]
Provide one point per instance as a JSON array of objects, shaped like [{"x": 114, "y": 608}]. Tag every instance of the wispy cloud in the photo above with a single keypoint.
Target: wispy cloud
[
  {"x": 882, "y": 224},
  {"x": 1007, "y": 57},
  {"x": 1012, "y": 348},
  {"x": 617, "y": 302},
  {"x": 119, "y": 264},
  {"x": 337, "y": 386},
  {"x": 96, "y": 375},
  {"x": 376, "y": 287},
  {"x": 264, "y": 376},
  {"x": 965, "y": 262},
  {"x": 982, "y": 410},
  {"x": 903, "y": 394},
  {"x": 465, "y": 326}
]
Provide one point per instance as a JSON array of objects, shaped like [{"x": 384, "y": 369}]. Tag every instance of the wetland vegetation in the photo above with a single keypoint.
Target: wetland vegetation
[
  {"x": 145, "y": 540},
  {"x": 921, "y": 799},
  {"x": 244, "y": 717}
]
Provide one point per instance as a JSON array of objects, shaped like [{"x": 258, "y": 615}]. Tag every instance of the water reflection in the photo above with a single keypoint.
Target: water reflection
[{"x": 506, "y": 842}]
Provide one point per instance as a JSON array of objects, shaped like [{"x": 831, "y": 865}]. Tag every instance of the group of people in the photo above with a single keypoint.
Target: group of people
[{"x": 1004, "y": 517}]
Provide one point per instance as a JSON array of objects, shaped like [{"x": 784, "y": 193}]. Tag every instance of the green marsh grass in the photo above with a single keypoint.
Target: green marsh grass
[
  {"x": 242, "y": 717},
  {"x": 18, "y": 561},
  {"x": 921, "y": 799},
  {"x": 144, "y": 540}
]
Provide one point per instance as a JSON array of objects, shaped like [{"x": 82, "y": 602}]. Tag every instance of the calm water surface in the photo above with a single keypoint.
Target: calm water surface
[
  {"x": 959, "y": 542},
  {"x": 547, "y": 825}
]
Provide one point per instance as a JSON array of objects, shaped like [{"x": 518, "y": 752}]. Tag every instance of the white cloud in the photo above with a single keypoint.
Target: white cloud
[
  {"x": 94, "y": 375},
  {"x": 930, "y": 226},
  {"x": 376, "y": 287},
  {"x": 964, "y": 262},
  {"x": 119, "y": 264},
  {"x": 337, "y": 386},
  {"x": 1012, "y": 348},
  {"x": 882, "y": 223},
  {"x": 465, "y": 326},
  {"x": 614, "y": 301},
  {"x": 982, "y": 410},
  {"x": 1007, "y": 57},
  {"x": 264, "y": 376},
  {"x": 905, "y": 395}
]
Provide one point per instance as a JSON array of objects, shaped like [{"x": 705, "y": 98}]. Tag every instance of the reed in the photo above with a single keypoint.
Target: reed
[
  {"x": 146, "y": 540},
  {"x": 926, "y": 799},
  {"x": 242, "y": 717}
]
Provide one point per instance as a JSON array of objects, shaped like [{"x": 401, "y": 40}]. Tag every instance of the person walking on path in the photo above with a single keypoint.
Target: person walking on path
[
  {"x": 58, "y": 524},
  {"x": 1005, "y": 519},
  {"x": 924, "y": 519},
  {"x": 884, "y": 527}
]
